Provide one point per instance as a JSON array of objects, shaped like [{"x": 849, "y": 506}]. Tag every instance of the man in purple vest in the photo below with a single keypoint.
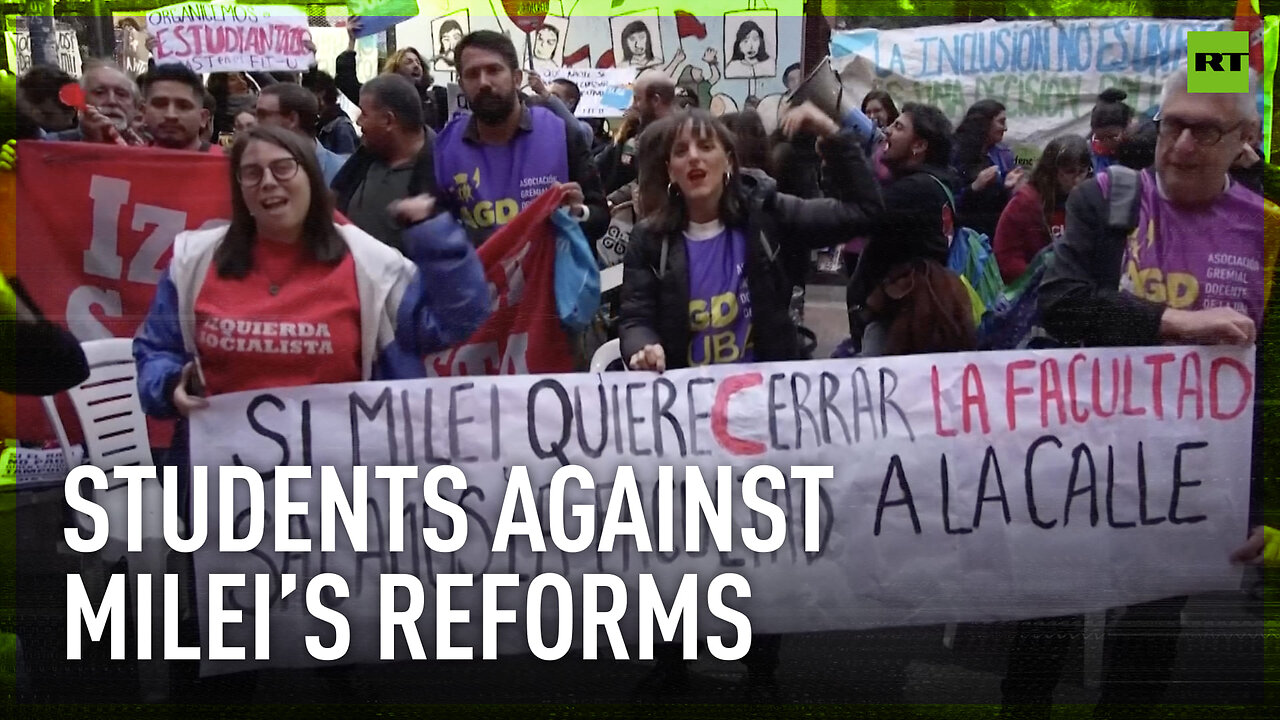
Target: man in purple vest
[{"x": 494, "y": 162}]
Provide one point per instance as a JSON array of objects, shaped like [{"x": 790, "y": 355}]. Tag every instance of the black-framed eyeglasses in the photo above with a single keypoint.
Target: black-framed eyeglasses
[
  {"x": 1205, "y": 134},
  {"x": 281, "y": 169}
]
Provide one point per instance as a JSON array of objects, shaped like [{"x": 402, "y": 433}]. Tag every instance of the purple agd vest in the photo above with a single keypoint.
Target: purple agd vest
[{"x": 490, "y": 184}]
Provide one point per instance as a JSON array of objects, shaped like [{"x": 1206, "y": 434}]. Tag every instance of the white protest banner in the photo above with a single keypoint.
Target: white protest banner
[
  {"x": 18, "y": 47},
  {"x": 457, "y": 100},
  {"x": 1048, "y": 73},
  {"x": 606, "y": 92},
  {"x": 967, "y": 487},
  {"x": 225, "y": 37}
]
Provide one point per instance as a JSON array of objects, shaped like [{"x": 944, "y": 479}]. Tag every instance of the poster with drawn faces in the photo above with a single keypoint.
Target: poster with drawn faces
[
  {"x": 446, "y": 32},
  {"x": 750, "y": 44},
  {"x": 636, "y": 40},
  {"x": 546, "y": 46}
]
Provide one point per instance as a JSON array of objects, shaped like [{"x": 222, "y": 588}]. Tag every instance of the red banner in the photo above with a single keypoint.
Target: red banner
[
  {"x": 96, "y": 225},
  {"x": 524, "y": 334},
  {"x": 96, "y": 230},
  {"x": 1248, "y": 20}
]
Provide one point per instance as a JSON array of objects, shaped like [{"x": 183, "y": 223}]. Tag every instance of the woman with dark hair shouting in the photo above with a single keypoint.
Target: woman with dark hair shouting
[
  {"x": 711, "y": 245},
  {"x": 283, "y": 297},
  {"x": 703, "y": 278}
]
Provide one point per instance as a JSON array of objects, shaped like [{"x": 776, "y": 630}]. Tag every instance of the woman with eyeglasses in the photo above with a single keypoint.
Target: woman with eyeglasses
[
  {"x": 284, "y": 297},
  {"x": 1109, "y": 122},
  {"x": 1037, "y": 213}
]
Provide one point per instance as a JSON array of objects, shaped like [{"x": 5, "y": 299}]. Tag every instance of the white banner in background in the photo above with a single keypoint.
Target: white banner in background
[
  {"x": 605, "y": 92},
  {"x": 226, "y": 37},
  {"x": 1048, "y": 73},
  {"x": 18, "y": 46},
  {"x": 968, "y": 487}
]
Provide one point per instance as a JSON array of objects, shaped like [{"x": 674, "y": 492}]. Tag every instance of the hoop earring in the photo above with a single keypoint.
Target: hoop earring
[
  {"x": 673, "y": 190},
  {"x": 728, "y": 175}
]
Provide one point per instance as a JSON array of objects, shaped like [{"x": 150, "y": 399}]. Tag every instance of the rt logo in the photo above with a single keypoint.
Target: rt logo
[{"x": 1219, "y": 62}]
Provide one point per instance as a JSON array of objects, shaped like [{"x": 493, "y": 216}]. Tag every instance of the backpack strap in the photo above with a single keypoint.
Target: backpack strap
[
  {"x": 951, "y": 203},
  {"x": 1125, "y": 185},
  {"x": 951, "y": 199},
  {"x": 770, "y": 251}
]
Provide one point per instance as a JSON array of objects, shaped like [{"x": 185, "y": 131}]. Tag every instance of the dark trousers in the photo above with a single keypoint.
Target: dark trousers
[{"x": 1140, "y": 646}]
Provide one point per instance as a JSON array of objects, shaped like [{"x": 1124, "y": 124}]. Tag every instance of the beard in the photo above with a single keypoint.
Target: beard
[{"x": 491, "y": 108}]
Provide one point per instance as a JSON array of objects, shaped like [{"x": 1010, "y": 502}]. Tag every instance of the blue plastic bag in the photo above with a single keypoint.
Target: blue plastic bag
[{"x": 577, "y": 274}]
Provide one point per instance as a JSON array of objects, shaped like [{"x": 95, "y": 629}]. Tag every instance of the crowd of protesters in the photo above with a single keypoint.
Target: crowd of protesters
[{"x": 372, "y": 234}]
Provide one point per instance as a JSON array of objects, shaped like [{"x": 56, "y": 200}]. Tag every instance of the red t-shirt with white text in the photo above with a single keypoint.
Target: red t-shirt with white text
[{"x": 308, "y": 333}]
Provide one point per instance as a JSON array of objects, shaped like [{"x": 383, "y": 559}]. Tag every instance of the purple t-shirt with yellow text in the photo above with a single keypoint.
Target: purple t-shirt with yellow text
[
  {"x": 1198, "y": 258},
  {"x": 719, "y": 303}
]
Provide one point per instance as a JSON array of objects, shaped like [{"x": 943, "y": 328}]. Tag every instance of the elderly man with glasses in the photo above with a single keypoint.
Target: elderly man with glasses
[
  {"x": 1191, "y": 269},
  {"x": 1176, "y": 255}
]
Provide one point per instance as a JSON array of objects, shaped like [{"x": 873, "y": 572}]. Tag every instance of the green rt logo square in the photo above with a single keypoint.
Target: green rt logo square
[{"x": 1219, "y": 62}]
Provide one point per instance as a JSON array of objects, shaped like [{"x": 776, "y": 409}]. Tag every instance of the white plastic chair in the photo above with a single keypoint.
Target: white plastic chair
[
  {"x": 606, "y": 355},
  {"x": 610, "y": 278},
  {"x": 115, "y": 431}
]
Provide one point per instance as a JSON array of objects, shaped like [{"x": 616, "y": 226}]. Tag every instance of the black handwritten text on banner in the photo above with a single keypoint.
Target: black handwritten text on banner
[{"x": 966, "y": 488}]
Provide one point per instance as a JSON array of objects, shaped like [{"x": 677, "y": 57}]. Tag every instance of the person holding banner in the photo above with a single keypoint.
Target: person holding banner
[
  {"x": 496, "y": 161},
  {"x": 703, "y": 284},
  {"x": 113, "y": 105},
  {"x": 987, "y": 171},
  {"x": 703, "y": 281},
  {"x": 1262, "y": 548},
  {"x": 1173, "y": 255},
  {"x": 284, "y": 297}
]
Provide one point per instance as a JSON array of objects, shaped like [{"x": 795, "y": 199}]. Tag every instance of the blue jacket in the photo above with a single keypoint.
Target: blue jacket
[
  {"x": 330, "y": 162},
  {"x": 409, "y": 306}
]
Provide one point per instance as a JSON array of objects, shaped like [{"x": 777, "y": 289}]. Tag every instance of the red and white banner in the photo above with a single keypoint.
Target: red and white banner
[
  {"x": 225, "y": 37},
  {"x": 96, "y": 225},
  {"x": 524, "y": 334}
]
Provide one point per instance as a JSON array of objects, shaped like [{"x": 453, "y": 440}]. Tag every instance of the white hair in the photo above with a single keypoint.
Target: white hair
[
  {"x": 1246, "y": 103},
  {"x": 103, "y": 64}
]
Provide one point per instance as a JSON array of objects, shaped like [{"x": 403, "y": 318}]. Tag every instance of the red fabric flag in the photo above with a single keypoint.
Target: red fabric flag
[
  {"x": 524, "y": 334},
  {"x": 577, "y": 56},
  {"x": 689, "y": 26},
  {"x": 1248, "y": 20},
  {"x": 95, "y": 231},
  {"x": 606, "y": 60}
]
